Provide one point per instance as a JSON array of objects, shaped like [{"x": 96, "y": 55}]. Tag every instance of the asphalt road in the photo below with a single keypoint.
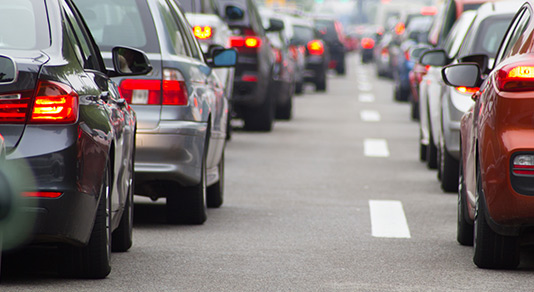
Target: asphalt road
[{"x": 334, "y": 200}]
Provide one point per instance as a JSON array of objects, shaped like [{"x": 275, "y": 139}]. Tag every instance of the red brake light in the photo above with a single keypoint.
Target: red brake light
[
  {"x": 407, "y": 55},
  {"x": 247, "y": 42},
  {"x": 467, "y": 90},
  {"x": 54, "y": 103},
  {"x": 316, "y": 47},
  {"x": 14, "y": 106},
  {"x": 50, "y": 195},
  {"x": 368, "y": 43},
  {"x": 515, "y": 78},
  {"x": 203, "y": 32},
  {"x": 277, "y": 55},
  {"x": 429, "y": 10},
  {"x": 400, "y": 28},
  {"x": 171, "y": 91}
]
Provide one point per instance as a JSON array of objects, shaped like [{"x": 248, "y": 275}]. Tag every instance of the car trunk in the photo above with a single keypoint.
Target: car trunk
[{"x": 16, "y": 95}]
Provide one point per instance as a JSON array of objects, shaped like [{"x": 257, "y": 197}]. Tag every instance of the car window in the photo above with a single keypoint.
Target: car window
[
  {"x": 120, "y": 23},
  {"x": 303, "y": 34},
  {"x": 24, "y": 25},
  {"x": 85, "y": 51},
  {"x": 172, "y": 30},
  {"x": 486, "y": 37},
  {"x": 517, "y": 40},
  {"x": 187, "y": 32},
  {"x": 187, "y": 5},
  {"x": 457, "y": 34}
]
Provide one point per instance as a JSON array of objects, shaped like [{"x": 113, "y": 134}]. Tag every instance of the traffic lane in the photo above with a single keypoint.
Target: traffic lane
[{"x": 296, "y": 215}]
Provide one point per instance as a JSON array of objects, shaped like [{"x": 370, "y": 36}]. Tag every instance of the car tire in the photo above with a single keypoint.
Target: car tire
[
  {"x": 492, "y": 250},
  {"x": 449, "y": 171},
  {"x": 215, "y": 195},
  {"x": 93, "y": 261},
  {"x": 414, "y": 111},
  {"x": 260, "y": 118},
  {"x": 122, "y": 237},
  {"x": 283, "y": 112},
  {"x": 422, "y": 148},
  {"x": 465, "y": 229},
  {"x": 187, "y": 205},
  {"x": 320, "y": 84},
  {"x": 431, "y": 154},
  {"x": 341, "y": 69}
]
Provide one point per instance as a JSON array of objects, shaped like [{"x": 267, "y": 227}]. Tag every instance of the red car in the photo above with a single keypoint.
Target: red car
[{"x": 496, "y": 192}]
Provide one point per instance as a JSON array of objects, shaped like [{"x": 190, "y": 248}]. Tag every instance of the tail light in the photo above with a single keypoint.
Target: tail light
[
  {"x": 49, "y": 195},
  {"x": 368, "y": 43},
  {"x": 400, "y": 28},
  {"x": 277, "y": 55},
  {"x": 294, "y": 52},
  {"x": 14, "y": 107},
  {"x": 245, "y": 42},
  {"x": 172, "y": 90},
  {"x": 203, "y": 33},
  {"x": 467, "y": 90},
  {"x": 407, "y": 55},
  {"x": 515, "y": 78},
  {"x": 54, "y": 103},
  {"x": 316, "y": 47},
  {"x": 384, "y": 52},
  {"x": 523, "y": 165}
]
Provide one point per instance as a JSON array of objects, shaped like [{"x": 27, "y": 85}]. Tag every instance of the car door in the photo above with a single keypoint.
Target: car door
[{"x": 102, "y": 91}]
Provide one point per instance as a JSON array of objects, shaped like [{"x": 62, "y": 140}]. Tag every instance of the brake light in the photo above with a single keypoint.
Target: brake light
[
  {"x": 54, "y": 103},
  {"x": 50, "y": 195},
  {"x": 316, "y": 47},
  {"x": 245, "y": 42},
  {"x": 14, "y": 106},
  {"x": 429, "y": 10},
  {"x": 515, "y": 78},
  {"x": 467, "y": 90},
  {"x": 400, "y": 28},
  {"x": 203, "y": 32},
  {"x": 277, "y": 55},
  {"x": 384, "y": 52},
  {"x": 172, "y": 90},
  {"x": 523, "y": 165},
  {"x": 368, "y": 43},
  {"x": 407, "y": 55}
]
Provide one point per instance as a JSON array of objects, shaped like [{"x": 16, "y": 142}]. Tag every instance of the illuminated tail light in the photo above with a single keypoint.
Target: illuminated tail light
[
  {"x": 203, "y": 33},
  {"x": 368, "y": 43},
  {"x": 54, "y": 103},
  {"x": 384, "y": 52},
  {"x": 515, "y": 78},
  {"x": 240, "y": 42},
  {"x": 316, "y": 47},
  {"x": 172, "y": 90},
  {"x": 400, "y": 28},
  {"x": 407, "y": 55},
  {"x": 277, "y": 55},
  {"x": 467, "y": 90},
  {"x": 523, "y": 165},
  {"x": 49, "y": 195},
  {"x": 14, "y": 107}
]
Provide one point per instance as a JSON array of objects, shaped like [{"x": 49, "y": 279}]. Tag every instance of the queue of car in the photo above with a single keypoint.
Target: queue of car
[
  {"x": 104, "y": 99},
  {"x": 472, "y": 88}
]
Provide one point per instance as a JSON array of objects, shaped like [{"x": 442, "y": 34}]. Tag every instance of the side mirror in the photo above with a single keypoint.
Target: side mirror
[
  {"x": 275, "y": 25},
  {"x": 436, "y": 57},
  {"x": 481, "y": 59},
  {"x": 222, "y": 58},
  {"x": 130, "y": 61},
  {"x": 233, "y": 13},
  {"x": 462, "y": 74},
  {"x": 416, "y": 52}
]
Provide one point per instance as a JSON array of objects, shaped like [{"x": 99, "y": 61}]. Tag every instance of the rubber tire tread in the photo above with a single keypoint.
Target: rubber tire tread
[{"x": 215, "y": 192}]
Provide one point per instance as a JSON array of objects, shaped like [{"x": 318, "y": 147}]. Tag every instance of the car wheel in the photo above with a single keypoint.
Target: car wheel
[
  {"x": 422, "y": 148},
  {"x": 215, "y": 195},
  {"x": 431, "y": 154},
  {"x": 284, "y": 112},
  {"x": 492, "y": 250},
  {"x": 465, "y": 229},
  {"x": 341, "y": 69},
  {"x": 187, "y": 205},
  {"x": 320, "y": 84},
  {"x": 299, "y": 87},
  {"x": 93, "y": 260},
  {"x": 414, "y": 111},
  {"x": 260, "y": 118},
  {"x": 449, "y": 171},
  {"x": 122, "y": 237}
]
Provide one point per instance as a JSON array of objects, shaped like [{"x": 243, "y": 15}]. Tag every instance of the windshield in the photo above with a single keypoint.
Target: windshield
[
  {"x": 24, "y": 25},
  {"x": 303, "y": 34}
]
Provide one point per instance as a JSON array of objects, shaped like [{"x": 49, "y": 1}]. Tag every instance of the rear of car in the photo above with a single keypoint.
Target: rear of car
[{"x": 331, "y": 32}]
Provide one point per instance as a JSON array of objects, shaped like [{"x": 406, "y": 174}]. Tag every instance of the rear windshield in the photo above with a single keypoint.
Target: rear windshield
[
  {"x": 487, "y": 38},
  {"x": 327, "y": 28},
  {"x": 120, "y": 23},
  {"x": 24, "y": 25},
  {"x": 187, "y": 5},
  {"x": 303, "y": 34}
]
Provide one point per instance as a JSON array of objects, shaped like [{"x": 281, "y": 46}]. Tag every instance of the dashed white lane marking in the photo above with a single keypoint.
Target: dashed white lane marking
[
  {"x": 366, "y": 97},
  {"x": 365, "y": 87},
  {"x": 369, "y": 116},
  {"x": 388, "y": 219},
  {"x": 375, "y": 148}
]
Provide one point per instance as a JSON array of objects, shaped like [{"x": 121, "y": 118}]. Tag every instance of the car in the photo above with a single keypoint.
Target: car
[
  {"x": 415, "y": 77},
  {"x": 252, "y": 101},
  {"x": 285, "y": 65},
  {"x": 483, "y": 37},
  {"x": 495, "y": 202},
  {"x": 181, "y": 106},
  {"x": 307, "y": 39},
  {"x": 331, "y": 33},
  {"x": 211, "y": 31},
  {"x": 63, "y": 116}
]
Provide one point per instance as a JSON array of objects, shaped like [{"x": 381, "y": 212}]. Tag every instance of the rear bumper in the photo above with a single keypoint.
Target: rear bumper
[{"x": 172, "y": 152}]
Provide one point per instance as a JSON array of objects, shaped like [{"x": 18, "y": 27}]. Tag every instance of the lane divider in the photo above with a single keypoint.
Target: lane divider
[
  {"x": 370, "y": 116},
  {"x": 375, "y": 148},
  {"x": 388, "y": 219}
]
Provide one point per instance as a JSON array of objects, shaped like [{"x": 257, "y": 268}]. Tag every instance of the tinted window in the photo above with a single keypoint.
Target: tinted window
[
  {"x": 303, "y": 34},
  {"x": 124, "y": 23},
  {"x": 472, "y": 6},
  {"x": 457, "y": 35},
  {"x": 187, "y": 5},
  {"x": 487, "y": 38},
  {"x": 171, "y": 29},
  {"x": 326, "y": 28},
  {"x": 23, "y": 25}
]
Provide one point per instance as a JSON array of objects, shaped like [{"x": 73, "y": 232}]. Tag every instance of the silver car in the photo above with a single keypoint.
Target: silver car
[{"x": 181, "y": 106}]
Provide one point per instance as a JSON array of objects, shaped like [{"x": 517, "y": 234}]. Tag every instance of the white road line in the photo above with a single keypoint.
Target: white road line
[
  {"x": 375, "y": 148},
  {"x": 370, "y": 116},
  {"x": 365, "y": 87},
  {"x": 366, "y": 97},
  {"x": 388, "y": 219}
]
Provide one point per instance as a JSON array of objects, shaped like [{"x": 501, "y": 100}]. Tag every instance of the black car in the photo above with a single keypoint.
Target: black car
[
  {"x": 60, "y": 112},
  {"x": 253, "y": 73},
  {"x": 331, "y": 32}
]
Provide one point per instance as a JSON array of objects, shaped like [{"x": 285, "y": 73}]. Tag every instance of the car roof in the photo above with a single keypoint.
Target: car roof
[{"x": 499, "y": 7}]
